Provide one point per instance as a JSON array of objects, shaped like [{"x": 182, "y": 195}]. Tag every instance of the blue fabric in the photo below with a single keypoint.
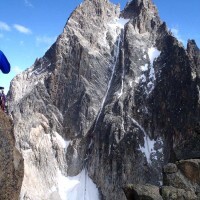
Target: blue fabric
[{"x": 4, "y": 64}]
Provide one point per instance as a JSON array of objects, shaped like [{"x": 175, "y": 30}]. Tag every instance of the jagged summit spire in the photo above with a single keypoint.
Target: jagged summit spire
[
  {"x": 146, "y": 3},
  {"x": 144, "y": 15},
  {"x": 134, "y": 7},
  {"x": 97, "y": 8}
]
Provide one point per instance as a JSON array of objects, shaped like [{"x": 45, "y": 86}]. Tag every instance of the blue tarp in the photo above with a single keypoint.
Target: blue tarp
[{"x": 4, "y": 64}]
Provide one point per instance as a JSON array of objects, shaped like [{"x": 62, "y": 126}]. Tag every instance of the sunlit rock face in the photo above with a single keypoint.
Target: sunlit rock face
[
  {"x": 11, "y": 161},
  {"x": 114, "y": 99}
]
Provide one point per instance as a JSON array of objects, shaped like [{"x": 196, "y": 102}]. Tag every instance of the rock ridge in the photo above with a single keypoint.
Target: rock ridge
[{"x": 115, "y": 98}]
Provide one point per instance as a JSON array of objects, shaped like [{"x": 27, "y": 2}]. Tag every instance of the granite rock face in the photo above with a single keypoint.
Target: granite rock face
[
  {"x": 116, "y": 95},
  {"x": 171, "y": 193},
  {"x": 11, "y": 162}
]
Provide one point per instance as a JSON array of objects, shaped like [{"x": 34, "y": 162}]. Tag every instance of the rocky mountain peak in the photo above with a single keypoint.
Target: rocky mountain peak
[
  {"x": 194, "y": 55},
  {"x": 136, "y": 7},
  {"x": 114, "y": 99},
  {"x": 192, "y": 47},
  {"x": 144, "y": 14},
  {"x": 96, "y": 8}
]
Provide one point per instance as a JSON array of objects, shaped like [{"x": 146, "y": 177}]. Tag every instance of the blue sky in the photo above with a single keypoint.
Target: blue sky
[{"x": 29, "y": 27}]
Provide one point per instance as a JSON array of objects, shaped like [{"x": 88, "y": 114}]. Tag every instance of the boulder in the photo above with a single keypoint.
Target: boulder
[
  {"x": 190, "y": 169},
  {"x": 142, "y": 192},
  {"x": 170, "y": 168},
  {"x": 171, "y": 193}
]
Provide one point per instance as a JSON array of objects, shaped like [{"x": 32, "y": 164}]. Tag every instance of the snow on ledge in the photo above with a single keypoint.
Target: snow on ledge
[
  {"x": 61, "y": 141},
  {"x": 144, "y": 68},
  {"x": 148, "y": 148},
  {"x": 149, "y": 144},
  {"x": 153, "y": 54},
  {"x": 79, "y": 187},
  {"x": 121, "y": 22}
]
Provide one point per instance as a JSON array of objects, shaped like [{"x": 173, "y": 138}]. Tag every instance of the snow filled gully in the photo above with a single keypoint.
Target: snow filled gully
[
  {"x": 116, "y": 55},
  {"x": 117, "y": 23},
  {"x": 153, "y": 54},
  {"x": 148, "y": 147},
  {"x": 80, "y": 187}
]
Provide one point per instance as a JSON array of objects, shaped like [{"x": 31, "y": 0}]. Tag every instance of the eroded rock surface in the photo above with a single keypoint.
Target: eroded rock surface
[
  {"x": 182, "y": 180},
  {"x": 11, "y": 162}
]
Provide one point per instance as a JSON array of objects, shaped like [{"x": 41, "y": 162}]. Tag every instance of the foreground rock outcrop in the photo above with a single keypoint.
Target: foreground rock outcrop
[
  {"x": 113, "y": 100},
  {"x": 11, "y": 162},
  {"x": 180, "y": 181}
]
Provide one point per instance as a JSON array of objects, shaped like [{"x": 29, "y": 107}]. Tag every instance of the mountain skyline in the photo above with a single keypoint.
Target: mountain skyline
[{"x": 28, "y": 32}]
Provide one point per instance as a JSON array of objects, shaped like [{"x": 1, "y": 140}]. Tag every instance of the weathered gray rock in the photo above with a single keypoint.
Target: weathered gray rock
[
  {"x": 170, "y": 168},
  {"x": 171, "y": 193},
  {"x": 177, "y": 180},
  {"x": 11, "y": 161},
  {"x": 181, "y": 182}
]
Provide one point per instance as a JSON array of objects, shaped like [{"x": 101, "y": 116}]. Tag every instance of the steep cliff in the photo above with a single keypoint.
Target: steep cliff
[
  {"x": 115, "y": 98},
  {"x": 11, "y": 162}
]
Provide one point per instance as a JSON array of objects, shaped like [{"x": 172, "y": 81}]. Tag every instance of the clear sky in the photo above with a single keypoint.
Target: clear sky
[{"x": 29, "y": 27}]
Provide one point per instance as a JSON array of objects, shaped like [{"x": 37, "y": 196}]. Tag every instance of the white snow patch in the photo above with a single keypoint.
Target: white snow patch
[
  {"x": 63, "y": 142},
  {"x": 137, "y": 80},
  {"x": 115, "y": 26},
  {"x": 144, "y": 68},
  {"x": 121, "y": 22},
  {"x": 122, "y": 87},
  {"x": 53, "y": 189},
  {"x": 153, "y": 53},
  {"x": 103, "y": 41},
  {"x": 118, "y": 22},
  {"x": 79, "y": 187},
  {"x": 131, "y": 83},
  {"x": 148, "y": 147}
]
